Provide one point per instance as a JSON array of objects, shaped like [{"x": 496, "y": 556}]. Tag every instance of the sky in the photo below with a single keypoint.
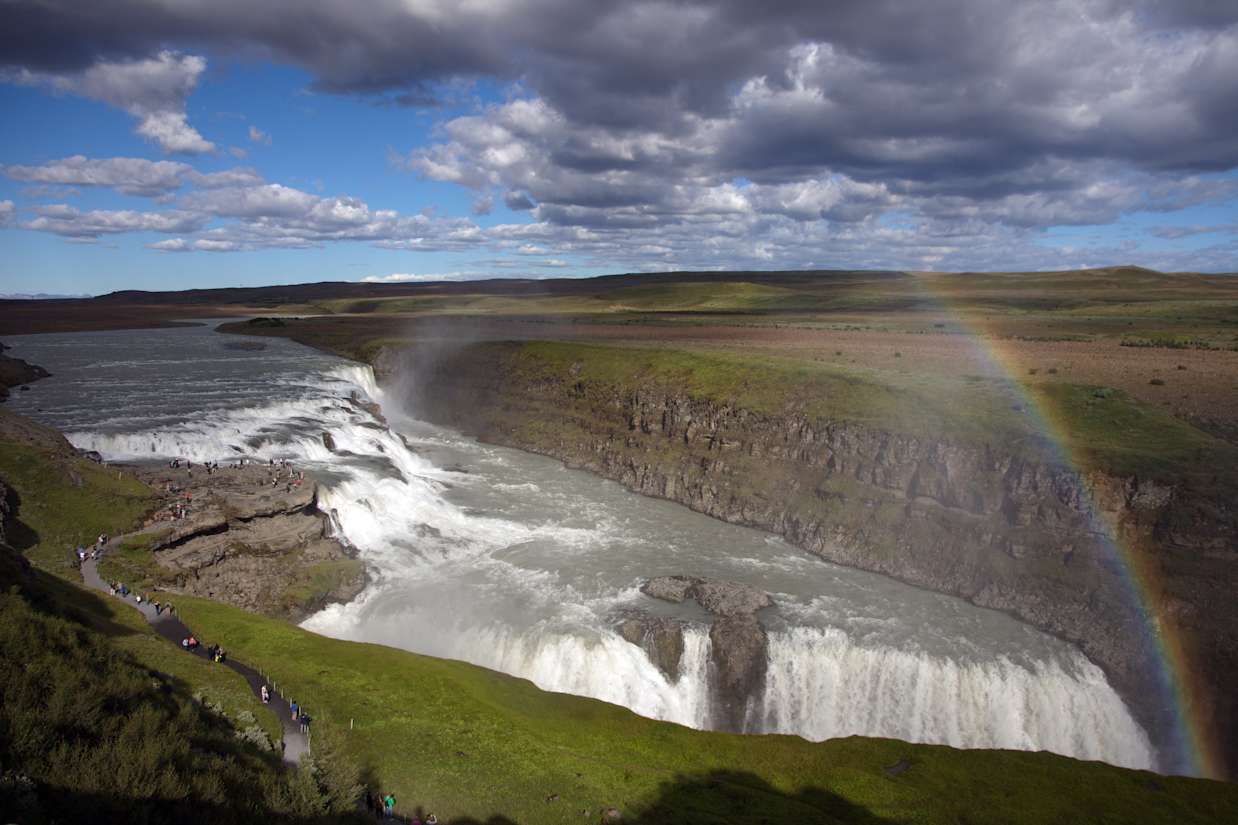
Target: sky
[{"x": 173, "y": 144}]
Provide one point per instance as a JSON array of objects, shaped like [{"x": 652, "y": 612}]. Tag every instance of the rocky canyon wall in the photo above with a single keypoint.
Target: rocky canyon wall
[{"x": 1029, "y": 537}]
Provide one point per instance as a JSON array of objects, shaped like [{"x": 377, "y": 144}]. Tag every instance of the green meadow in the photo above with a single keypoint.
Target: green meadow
[{"x": 1104, "y": 429}]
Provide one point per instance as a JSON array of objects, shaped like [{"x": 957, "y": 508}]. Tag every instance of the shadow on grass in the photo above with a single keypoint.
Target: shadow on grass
[
  {"x": 92, "y": 735},
  {"x": 715, "y": 798},
  {"x": 52, "y": 596},
  {"x": 52, "y": 806},
  {"x": 726, "y": 797}
]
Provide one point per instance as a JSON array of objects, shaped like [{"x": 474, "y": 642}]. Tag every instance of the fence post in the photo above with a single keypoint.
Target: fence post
[{"x": 350, "y": 723}]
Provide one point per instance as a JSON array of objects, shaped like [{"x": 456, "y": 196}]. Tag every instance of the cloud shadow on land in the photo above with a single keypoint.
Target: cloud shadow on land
[{"x": 717, "y": 798}]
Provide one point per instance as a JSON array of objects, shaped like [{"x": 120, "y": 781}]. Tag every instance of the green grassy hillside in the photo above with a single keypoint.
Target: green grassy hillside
[{"x": 465, "y": 741}]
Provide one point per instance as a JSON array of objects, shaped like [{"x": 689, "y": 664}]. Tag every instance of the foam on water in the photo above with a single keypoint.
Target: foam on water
[
  {"x": 512, "y": 562},
  {"x": 821, "y": 685}
]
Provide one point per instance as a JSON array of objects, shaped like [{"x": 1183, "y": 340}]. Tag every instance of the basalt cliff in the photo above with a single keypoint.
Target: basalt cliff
[{"x": 1057, "y": 549}]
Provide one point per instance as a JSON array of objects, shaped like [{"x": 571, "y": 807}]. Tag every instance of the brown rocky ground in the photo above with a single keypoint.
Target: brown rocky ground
[{"x": 250, "y": 536}]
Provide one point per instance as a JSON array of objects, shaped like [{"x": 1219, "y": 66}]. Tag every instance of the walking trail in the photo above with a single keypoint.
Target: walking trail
[{"x": 296, "y": 743}]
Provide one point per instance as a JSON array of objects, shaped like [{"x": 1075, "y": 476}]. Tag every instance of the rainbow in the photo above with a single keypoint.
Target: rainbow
[{"x": 1190, "y": 746}]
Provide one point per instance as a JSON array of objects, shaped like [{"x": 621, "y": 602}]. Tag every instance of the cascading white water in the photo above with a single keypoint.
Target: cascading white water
[
  {"x": 821, "y": 684},
  {"x": 512, "y": 562}
]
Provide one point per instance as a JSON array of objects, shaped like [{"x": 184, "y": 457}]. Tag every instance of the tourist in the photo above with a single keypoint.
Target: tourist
[
  {"x": 292, "y": 707},
  {"x": 266, "y": 695},
  {"x": 389, "y": 805},
  {"x": 304, "y": 719},
  {"x": 158, "y": 609},
  {"x": 431, "y": 820}
]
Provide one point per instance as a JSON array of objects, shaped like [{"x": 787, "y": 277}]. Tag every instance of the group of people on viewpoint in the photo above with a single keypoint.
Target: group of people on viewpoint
[
  {"x": 280, "y": 470},
  {"x": 94, "y": 552},
  {"x": 119, "y": 588}
]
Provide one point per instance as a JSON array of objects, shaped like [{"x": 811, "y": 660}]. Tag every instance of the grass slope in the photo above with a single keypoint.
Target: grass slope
[
  {"x": 65, "y": 500},
  {"x": 1105, "y": 429},
  {"x": 467, "y": 742}
]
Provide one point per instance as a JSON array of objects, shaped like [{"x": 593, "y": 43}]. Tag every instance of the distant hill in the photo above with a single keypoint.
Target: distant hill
[{"x": 327, "y": 290}]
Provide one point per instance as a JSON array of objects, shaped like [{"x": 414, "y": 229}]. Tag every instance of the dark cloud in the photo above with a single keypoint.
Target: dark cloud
[
  {"x": 518, "y": 201},
  {"x": 685, "y": 132}
]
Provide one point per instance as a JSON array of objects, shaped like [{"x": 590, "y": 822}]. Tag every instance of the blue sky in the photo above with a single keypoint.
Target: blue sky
[
  {"x": 320, "y": 143},
  {"x": 157, "y": 147}
]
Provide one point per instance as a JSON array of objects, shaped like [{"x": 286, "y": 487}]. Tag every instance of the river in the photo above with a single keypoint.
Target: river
[{"x": 513, "y": 562}]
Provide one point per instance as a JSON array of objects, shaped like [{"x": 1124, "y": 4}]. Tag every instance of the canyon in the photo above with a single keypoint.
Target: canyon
[{"x": 1049, "y": 543}]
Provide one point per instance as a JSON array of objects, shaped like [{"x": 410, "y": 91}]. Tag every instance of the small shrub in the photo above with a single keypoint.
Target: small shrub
[
  {"x": 898, "y": 355},
  {"x": 1053, "y": 370},
  {"x": 1157, "y": 382},
  {"x": 1182, "y": 366},
  {"x": 1032, "y": 371}
]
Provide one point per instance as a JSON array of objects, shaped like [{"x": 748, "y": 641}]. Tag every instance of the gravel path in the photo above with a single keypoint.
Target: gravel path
[{"x": 295, "y": 744}]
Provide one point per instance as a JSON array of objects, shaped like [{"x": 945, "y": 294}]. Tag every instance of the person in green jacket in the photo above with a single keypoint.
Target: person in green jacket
[{"x": 389, "y": 805}]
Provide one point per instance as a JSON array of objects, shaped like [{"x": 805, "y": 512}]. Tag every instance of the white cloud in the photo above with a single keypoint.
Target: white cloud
[
  {"x": 154, "y": 90},
  {"x": 8, "y": 212},
  {"x": 258, "y": 136},
  {"x": 131, "y": 176},
  {"x": 171, "y": 245},
  {"x": 71, "y": 223},
  {"x": 413, "y": 277}
]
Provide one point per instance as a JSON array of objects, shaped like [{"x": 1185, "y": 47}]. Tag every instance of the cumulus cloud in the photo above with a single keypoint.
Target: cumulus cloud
[
  {"x": 72, "y": 223},
  {"x": 132, "y": 176},
  {"x": 256, "y": 135},
  {"x": 425, "y": 277},
  {"x": 171, "y": 245},
  {"x": 483, "y": 205},
  {"x": 129, "y": 176},
  {"x": 153, "y": 89},
  {"x": 7, "y": 213}
]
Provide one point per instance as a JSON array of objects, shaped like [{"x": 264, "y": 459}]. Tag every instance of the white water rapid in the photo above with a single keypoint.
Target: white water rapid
[{"x": 513, "y": 562}]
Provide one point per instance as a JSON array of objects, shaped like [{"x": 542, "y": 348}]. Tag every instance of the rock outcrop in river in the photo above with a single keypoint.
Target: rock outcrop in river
[
  {"x": 14, "y": 372},
  {"x": 738, "y": 644},
  {"x": 978, "y": 520},
  {"x": 252, "y": 537}
]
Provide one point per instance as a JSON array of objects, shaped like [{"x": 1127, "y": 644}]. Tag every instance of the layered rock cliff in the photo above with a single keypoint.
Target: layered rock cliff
[
  {"x": 1080, "y": 556},
  {"x": 250, "y": 536}
]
